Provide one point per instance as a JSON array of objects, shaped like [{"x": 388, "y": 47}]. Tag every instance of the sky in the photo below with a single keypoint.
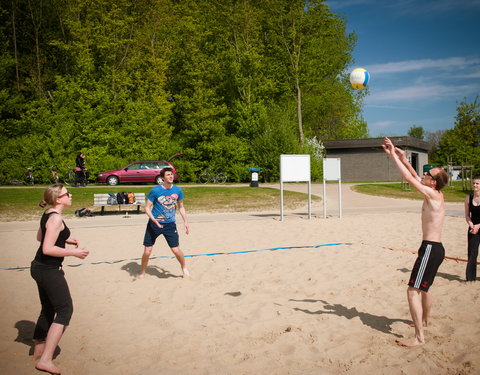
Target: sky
[{"x": 423, "y": 57}]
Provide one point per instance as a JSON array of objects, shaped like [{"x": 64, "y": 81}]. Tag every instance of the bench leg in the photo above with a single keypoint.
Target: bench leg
[
  {"x": 138, "y": 209},
  {"x": 101, "y": 212}
]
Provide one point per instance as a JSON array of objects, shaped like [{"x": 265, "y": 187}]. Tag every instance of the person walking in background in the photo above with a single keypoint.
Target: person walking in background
[
  {"x": 46, "y": 270},
  {"x": 160, "y": 208},
  {"x": 80, "y": 171},
  {"x": 472, "y": 216},
  {"x": 431, "y": 252}
]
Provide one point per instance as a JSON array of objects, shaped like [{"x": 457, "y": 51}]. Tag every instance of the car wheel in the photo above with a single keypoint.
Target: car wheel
[
  {"x": 158, "y": 180},
  {"x": 112, "y": 180}
]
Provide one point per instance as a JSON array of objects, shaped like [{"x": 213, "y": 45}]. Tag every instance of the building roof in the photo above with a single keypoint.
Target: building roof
[{"x": 404, "y": 142}]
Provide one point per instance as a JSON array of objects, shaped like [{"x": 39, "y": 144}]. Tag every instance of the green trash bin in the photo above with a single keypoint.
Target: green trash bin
[{"x": 427, "y": 167}]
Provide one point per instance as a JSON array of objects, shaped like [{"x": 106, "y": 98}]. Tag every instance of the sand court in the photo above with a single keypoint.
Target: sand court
[{"x": 330, "y": 309}]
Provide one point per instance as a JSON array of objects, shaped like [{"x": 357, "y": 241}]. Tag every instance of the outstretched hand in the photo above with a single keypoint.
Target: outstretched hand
[{"x": 388, "y": 146}]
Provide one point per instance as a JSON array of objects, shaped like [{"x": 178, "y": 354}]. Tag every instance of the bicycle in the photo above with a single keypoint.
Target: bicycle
[
  {"x": 70, "y": 176},
  {"x": 214, "y": 177},
  {"x": 29, "y": 176},
  {"x": 54, "y": 178}
]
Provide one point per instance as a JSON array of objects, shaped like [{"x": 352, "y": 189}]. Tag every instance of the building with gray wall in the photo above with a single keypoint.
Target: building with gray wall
[{"x": 365, "y": 159}]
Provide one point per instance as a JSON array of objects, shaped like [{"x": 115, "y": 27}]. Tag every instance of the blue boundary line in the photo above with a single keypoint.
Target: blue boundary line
[{"x": 192, "y": 255}]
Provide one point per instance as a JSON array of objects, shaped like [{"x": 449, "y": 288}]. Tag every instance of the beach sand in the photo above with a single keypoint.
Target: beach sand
[{"x": 331, "y": 309}]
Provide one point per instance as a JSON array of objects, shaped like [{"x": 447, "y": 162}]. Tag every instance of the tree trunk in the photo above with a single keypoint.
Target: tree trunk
[
  {"x": 15, "y": 52},
  {"x": 299, "y": 111}
]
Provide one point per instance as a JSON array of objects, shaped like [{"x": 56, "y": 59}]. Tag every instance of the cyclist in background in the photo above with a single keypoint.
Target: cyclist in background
[{"x": 80, "y": 169}]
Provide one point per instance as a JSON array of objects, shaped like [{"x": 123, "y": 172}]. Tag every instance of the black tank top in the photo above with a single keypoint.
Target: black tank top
[
  {"x": 474, "y": 211},
  {"x": 61, "y": 240}
]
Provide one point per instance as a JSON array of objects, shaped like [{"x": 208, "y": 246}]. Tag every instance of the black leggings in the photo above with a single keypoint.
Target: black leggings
[
  {"x": 55, "y": 298},
  {"x": 473, "y": 242}
]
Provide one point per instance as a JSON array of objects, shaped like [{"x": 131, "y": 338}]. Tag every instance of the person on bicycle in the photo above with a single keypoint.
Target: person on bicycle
[{"x": 80, "y": 169}]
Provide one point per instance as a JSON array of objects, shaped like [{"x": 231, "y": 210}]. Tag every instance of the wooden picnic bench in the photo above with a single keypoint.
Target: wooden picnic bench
[{"x": 102, "y": 200}]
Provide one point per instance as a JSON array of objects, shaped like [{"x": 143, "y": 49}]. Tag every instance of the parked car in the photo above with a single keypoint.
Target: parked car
[{"x": 139, "y": 171}]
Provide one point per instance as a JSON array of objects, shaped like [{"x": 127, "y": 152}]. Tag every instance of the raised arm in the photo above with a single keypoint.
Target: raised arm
[
  {"x": 403, "y": 158},
  {"x": 412, "y": 179}
]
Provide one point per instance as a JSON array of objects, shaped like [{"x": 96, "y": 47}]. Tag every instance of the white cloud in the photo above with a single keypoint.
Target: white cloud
[
  {"x": 414, "y": 7},
  {"x": 421, "y": 92},
  {"x": 422, "y": 64},
  {"x": 382, "y": 124}
]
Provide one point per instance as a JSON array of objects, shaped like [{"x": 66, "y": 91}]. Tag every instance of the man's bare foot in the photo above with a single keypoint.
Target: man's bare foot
[
  {"x": 38, "y": 350},
  {"x": 139, "y": 276},
  {"x": 415, "y": 342},
  {"x": 47, "y": 366},
  {"x": 186, "y": 274}
]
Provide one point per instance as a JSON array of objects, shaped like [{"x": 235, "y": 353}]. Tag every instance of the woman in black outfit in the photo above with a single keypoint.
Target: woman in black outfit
[
  {"x": 472, "y": 215},
  {"x": 46, "y": 270},
  {"x": 80, "y": 170}
]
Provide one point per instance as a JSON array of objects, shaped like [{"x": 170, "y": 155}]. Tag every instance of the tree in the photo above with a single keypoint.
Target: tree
[
  {"x": 461, "y": 144},
  {"x": 416, "y": 132},
  {"x": 316, "y": 48}
]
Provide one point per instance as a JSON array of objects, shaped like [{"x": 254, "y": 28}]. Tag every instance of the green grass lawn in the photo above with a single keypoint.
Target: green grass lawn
[
  {"x": 453, "y": 193},
  {"x": 21, "y": 203}
]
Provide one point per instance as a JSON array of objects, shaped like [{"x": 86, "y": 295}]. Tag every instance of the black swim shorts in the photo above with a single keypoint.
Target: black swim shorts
[{"x": 430, "y": 256}]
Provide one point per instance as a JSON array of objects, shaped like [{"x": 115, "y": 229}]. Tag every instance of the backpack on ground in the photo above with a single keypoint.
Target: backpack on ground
[
  {"x": 130, "y": 198},
  {"x": 81, "y": 212}
]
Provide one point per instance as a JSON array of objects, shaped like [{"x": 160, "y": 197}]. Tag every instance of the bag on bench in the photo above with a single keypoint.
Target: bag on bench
[
  {"x": 122, "y": 198},
  {"x": 112, "y": 199},
  {"x": 130, "y": 198}
]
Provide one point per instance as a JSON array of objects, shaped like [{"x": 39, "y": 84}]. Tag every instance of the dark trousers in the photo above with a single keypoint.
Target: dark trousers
[
  {"x": 57, "y": 306},
  {"x": 473, "y": 242},
  {"x": 80, "y": 177}
]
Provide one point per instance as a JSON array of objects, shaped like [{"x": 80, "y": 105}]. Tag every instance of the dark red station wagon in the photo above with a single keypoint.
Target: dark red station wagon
[{"x": 139, "y": 171}]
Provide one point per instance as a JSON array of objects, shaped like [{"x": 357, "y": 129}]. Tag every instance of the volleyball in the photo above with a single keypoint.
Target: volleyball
[{"x": 359, "y": 78}]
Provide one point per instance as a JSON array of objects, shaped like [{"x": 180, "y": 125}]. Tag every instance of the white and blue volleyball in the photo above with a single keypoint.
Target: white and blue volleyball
[{"x": 359, "y": 78}]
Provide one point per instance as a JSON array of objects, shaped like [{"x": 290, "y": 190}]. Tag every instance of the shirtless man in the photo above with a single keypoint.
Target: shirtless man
[{"x": 431, "y": 252}]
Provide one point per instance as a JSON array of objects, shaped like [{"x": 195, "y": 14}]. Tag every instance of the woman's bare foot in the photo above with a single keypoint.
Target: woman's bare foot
[
  {"x": 38, "y": 350},
  {"x": 415, "y": 342},
  {"x": 47, "y": 366},
  {"x": 186, "y": 274},
  {"x": 411, "y": 324}
]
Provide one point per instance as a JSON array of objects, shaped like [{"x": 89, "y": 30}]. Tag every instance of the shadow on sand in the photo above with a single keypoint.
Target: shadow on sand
[
  {"x": 133, "y": 269},
  {"x": 380, "y": 323},
  {"x": 25, "y": 330}
]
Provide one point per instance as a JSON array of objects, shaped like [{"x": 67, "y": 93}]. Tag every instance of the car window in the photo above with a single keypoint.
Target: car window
[
  {"x": 148, "y": 166},
  {"x": 161, "y": 164},
  {"x": 135, "y": 166}
]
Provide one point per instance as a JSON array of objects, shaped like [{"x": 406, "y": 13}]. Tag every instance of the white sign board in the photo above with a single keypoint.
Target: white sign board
[
  {"x": 295, "y": 168},
  {"x": 331, "y": 169},
  {"x": 332, "y": 172}
]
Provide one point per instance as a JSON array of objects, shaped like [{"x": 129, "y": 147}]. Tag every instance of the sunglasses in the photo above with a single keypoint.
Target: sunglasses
[
  {"x": 431, "y": 176},
  {"x": 67, "y": 193}
]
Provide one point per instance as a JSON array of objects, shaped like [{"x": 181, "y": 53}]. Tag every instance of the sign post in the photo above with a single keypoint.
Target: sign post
[
  {"x": 295, "y": 168},
  {"x": 332, "y": 172}
]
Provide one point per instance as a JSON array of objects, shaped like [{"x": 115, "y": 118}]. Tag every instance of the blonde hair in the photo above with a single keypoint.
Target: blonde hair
[{"x": 50, "y": 195}]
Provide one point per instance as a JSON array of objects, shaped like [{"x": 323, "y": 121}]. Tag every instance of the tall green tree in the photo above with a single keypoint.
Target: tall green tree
[{"x": 461, "y": 145}]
